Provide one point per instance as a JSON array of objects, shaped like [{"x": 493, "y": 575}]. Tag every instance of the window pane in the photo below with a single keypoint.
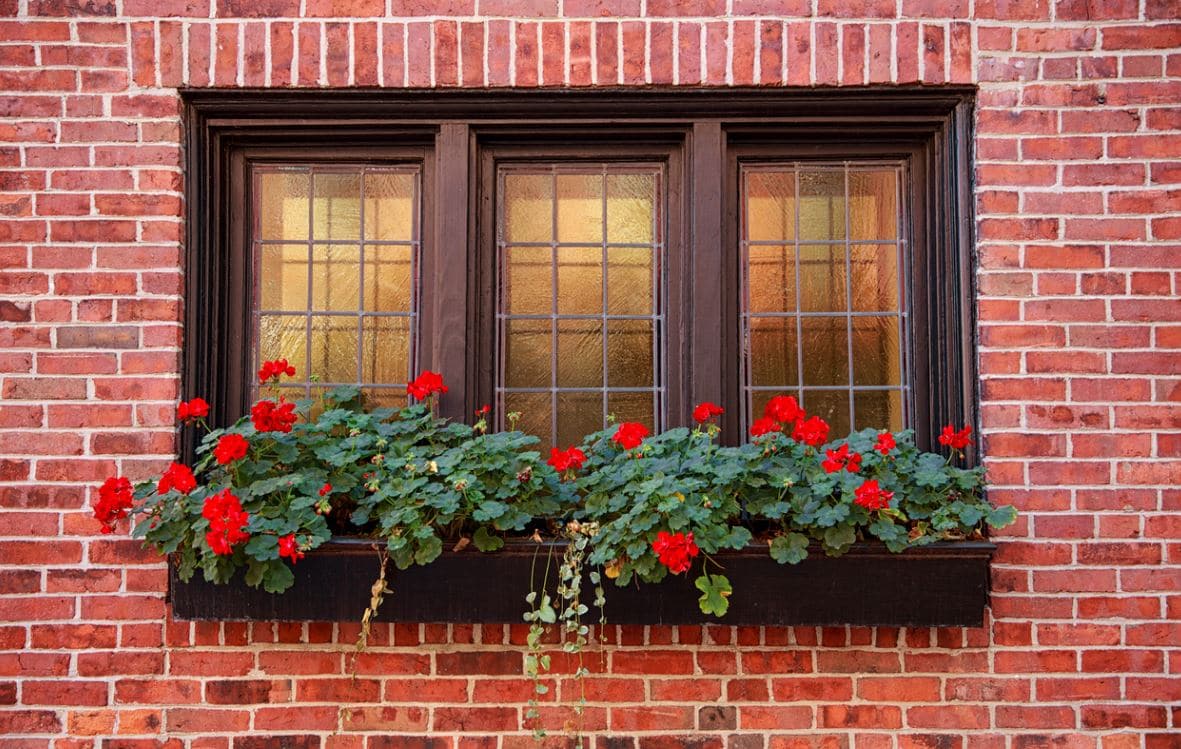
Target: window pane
[
  {"x": 350, "y": 302},
  {"x": 824, "y": 315},
  {"x": 588, "y": 357}
]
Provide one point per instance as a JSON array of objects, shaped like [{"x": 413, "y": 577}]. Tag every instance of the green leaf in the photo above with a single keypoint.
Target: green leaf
[
  {"x": 839, "y": 538},
  {"x": 715, "y": 592},
  {"x": 263, "y": 547},
  {"x": 790, "y": 549},
  {"x": 428, "y": 550},
  {"x": 999, "y": 517},
  {"x": 486, "y": 541},
  {"x": 279, "y": 577}
]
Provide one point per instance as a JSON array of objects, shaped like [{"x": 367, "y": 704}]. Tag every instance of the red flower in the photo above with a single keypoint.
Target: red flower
[
  {"x": 274, "y": 370},
  {"x": 269, "y": 416},
  {"x": 226, "y": 520},
  {"x": 289, "y": 547},
  {"x": 114, "y": 500},
  {"x": 706, "y": 411},
  {"x": 812, "y": 431},
  {"x": 675, "y": 550},
  {"x": 765, "y": 425},
  {"x": 840, "y": 459},
  {"x": 783, "y": 408},
  {"x": 629, "y": 435},
  {"x": 570, "y": 459},
  {"x": 197, "y": 408},
  {"x": 179, "y": 477},
  {"x": 427, "y": 383},
  {"x": 325, "y": 490},
  {"x": 885, "y": 443},
  {"x": 483, "y": 411},
  {"x": 953, "y": 439},
  {"x": 870, "y": 496},
  {"x": 229, "y": 448}
]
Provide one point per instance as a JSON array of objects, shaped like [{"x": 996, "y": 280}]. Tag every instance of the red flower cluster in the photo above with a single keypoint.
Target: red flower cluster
[
  {"x": 783, "y": 409},
  {"x": 675, "y": 550},
  {"x": 841, "y": 458},
  {"x": 483, "y": 411},
  {"x": 953, "y": 439},
  {"x": 197, "y": 408},
  {"x": 427, "y": 384},
  {"x": 179, "y": 477},
  {"x": 570, "y": 459},
  {"x": 629, "y": 435},
  {"x": 765, "y": 425},
  {"x": 885, "y": 443},
  {"x": 782, "y": 412},
  {"x": 871, "y": 496},
  {"x": 325, "y": 490},
  {"x": 289, "y": 548},
  {"x": 706, "y": 411},
  {"x": 269, "y": 416},
  {"x": 226, "y": 520},
  {"x": 274, "y": 370},
  {"x": 229, "y": 448},
  {"x": 811, "y": 431},
  {"x": 114, "y": 500}
]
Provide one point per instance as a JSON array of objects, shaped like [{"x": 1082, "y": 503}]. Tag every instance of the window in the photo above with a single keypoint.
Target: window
[{"x": 582, "y": 256}]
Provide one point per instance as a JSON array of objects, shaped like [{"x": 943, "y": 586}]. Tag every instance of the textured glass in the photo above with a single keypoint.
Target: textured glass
[
  {"x": 536, "y": 414},
  {"x": 528, "y": 353},
  {"x": 282, "y": 204},
  {"x": 283, "y": 277},
  {"x": 336, "y": 206},
  {"x": 385, "y": 349},
  {"x": 773, "y": 356},
  {"x": 823, "y": 286},
  {"x": 825, "y": 343},
  {"x": 528, "y": 208},
  {"x": 580, "y": 280},
  {"x": 630, "y": 208},
  {"x": 389, "y": 206},
  {"x": 384, "y": 397},
  {"x": 832, "y": 406},
  {"x": 875, "y": 351},
  {"x": 873, "y": 205},
  {"x": 629, "y": 353},
  {"x": 579, "y": 414},
  {"x": 875, "y": 277},
  {"x": 771, "y": 278},
  {"x": 388, "y": 278},
  {"x": 770, "y": 206},
  {"x": 881, "y": 409},
  {"x": 528, "y": 281},
  {"x": 632, "y": 407},
  {"x": 334, "y": 349},
  {"x": 822, "y": 205},
  {"x": 336, "y": 278},
  {"x": 580, "y": 353},
  {"x": 580, "y": 208},
  {"x": 284, "y": 337},
  {"x": 629, "y": 281}
]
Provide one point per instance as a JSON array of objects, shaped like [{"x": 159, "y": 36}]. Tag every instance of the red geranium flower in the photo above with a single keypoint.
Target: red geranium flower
[
  {"x": 269, "y": 416},
  {"x": 114, "y": 500},
  {"x": 289, "y": 548},
  {"x": 197, "y": 408},
  {"x": 226, "y": 521},
  {"x": 765, "y": 425},
  {"x": 274, "y": 370},
  {"x": 841, "y": 458},
  {"x": 812, "y": 431},
  {"x": 483, "y": 411},
  {"x": 675, "y": 550},
  {"x": 783, "y": 408},
  {"x": 706, "y": 411},
  {"x": 953, "y": 439},
  {"x": 629, "y": 435},
  {"x": 325, "y": 490},
  {"x": 179, "y": 477},
  {"x": 870, "y": 496},
  {"x": 885, "y": 443},
  {"x": 570, "y": 459},
  {"x": 229, "y": 448},
  {"x": 427, "y": 383}
]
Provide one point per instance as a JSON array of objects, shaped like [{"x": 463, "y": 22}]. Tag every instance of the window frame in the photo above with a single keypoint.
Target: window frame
[{"x": 457, "y": 129}]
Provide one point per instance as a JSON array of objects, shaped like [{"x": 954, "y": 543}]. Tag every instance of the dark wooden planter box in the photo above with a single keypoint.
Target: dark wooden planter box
[{"x": 944, "y": 584}]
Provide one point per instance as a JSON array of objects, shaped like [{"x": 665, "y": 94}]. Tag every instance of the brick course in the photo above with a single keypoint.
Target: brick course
[{"x": 1078, "y": 189}]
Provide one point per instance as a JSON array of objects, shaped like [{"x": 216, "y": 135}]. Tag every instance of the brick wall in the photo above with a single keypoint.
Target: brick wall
[{"x": 1079, "y": 221}]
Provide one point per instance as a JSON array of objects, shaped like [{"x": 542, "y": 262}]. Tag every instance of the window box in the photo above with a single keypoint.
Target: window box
[{"x": 943, "y": 584}]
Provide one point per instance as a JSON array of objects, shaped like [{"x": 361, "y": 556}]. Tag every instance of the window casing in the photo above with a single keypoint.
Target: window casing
[{"x": 699, "y": 150}]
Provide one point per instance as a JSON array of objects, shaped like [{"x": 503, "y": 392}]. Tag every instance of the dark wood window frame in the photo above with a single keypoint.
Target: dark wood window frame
[{"x": 456, "y": 132}]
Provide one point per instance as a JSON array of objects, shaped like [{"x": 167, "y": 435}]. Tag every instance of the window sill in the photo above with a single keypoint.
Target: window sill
[{"x": 943, "y": 584}]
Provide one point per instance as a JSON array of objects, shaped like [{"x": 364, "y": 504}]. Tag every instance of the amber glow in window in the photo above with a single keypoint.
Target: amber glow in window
[
  {"x": 579, "y": 316},
  {"x": 824, "y": 314},
  {"x": 335, "y": 261}
]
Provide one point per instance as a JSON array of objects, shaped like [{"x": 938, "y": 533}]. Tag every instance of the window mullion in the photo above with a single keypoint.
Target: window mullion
[
  {"x": 445, "y": 346},
  {"x": 712, "y": 353}
]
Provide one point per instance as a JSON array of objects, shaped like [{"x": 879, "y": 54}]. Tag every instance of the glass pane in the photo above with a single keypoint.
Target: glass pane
[
  {"x": 630, "y": 208},
  {"x": 388, "y": 281},
  {"x": 389, "y": 206},
  {"x": 579, "y": 414},
  {"x": 629, "y": 281},
  {"x": 336, "y": 278},
  {"x": 833, "y": 407},
  {"x": 771, "y": 278},
  {"x": 385, "y": 349},
  {"x": 629, "y": 353},
  {"x": 822, "y": 278},
  {"x": 633, "y": 407},
  {"x": 336, "y": 206},
  {"x": 580, "y": 208},
  {"x": 580, "y": 353},
  {"x": 528, "y": 281},
  {"x": 334, "y": 349},
  {"x": 284, "y": 337},
  {"x": 527, "y": 353},
  {"x": 875, "y": 277},
  {"x": 770, "y": 206},
  {"x": 384, "y": 397},
  {"x": 580, "y": 280},
  {"x": 282, "y": 204},
  {"x": 774, "y": 361},
  {"x": 826, "y": 353},
  {"x": 876, "y": 359},
  {"x": 528, "y": 208},
  {"x": 536, "y": 410},
  {"x": 873, "y": 205},
  {"x": 283, "y": 277},
  {"x": 880, "y": 409},
  {"x": 822, "y": 204}
]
